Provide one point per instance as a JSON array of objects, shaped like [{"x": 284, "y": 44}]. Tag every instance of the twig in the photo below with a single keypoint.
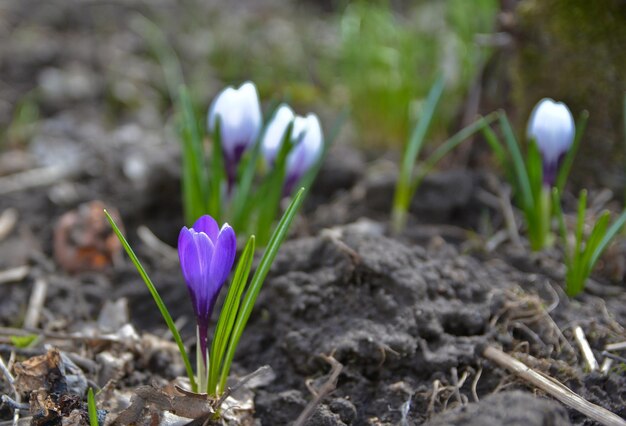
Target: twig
[
  {"x": 554, "y": 388},
  {"x": 585, "y": 349},
  {"x": 8, "y": 219},
  {"x": 475, "y": 384},
  {"x": 619, "y": 346},
  {"x": 9, "y": 378},
  {"x": 323, "y": 391},
  {"x": 455, "y": 383},
  {"x": 35, "y": 304},
  {"x": 607, "y": 363},
  {"x": 14, "y": 274},
  {"x": 34, "y": 178},
  {"x": 153, "y": 242}
]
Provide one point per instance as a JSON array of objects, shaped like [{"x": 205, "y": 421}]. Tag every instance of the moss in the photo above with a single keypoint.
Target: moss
[{"x": 574, "y": 51}]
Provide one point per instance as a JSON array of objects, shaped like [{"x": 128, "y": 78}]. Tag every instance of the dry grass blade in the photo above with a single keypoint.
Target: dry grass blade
[{"x": 553, "y": 388}]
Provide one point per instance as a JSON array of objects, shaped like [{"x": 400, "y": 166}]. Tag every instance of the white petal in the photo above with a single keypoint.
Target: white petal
[
  {"x": 552, "y": 125},
  {"x": 240, "y": 116},
  {"x": 308, "y": 136},
  {"x": 275, "y": 132}
]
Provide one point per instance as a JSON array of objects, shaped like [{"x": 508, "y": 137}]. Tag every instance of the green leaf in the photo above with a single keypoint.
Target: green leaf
[
  {"x": 402, "y": 196},
  {"x": 607, "y": 238},
  {"x": 91, "y": 407},
  {"x": 558, "y": 212},
  {"x": 218, "y": 173},
  {"x": 195, "y": 179},
  {"x": 257, "y": 282},
  {"x": 157, "y": 299},
  {"x": 523, "y": 181},
  {"x": 494, "y": 143},
  {"x": 23, "y": 342},
  {"x": 433, "y": 159},
  {"x": 228, "y": 315}
]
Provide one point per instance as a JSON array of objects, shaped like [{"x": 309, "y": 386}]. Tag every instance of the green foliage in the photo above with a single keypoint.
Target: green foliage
[
  {"x": 583, "y": 256},
  {"x": 388, "y": 62},
  {"x": 92, "y": 409},
  {"x": 408, "y": 180}
]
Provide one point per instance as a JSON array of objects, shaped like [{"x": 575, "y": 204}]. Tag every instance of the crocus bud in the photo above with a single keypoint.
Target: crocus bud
[
  {"x": 239, "y": 112},
  {"x": 552, "y": 126},
  {"x": 206, "y": 255},
  {"x": 307, "y": 140}
]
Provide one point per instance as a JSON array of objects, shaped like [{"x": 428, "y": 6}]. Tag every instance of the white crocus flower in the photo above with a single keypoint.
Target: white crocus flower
[
  {"x": 240, "y": 117},
  {"x": 306, "y": 137},
  {"x": 552, "y": 126}
]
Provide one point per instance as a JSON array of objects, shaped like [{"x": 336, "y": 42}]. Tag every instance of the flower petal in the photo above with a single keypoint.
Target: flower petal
[
  {"x": 240, "y": 118},
  {"x": 275, "y": 132},
  {"x": 208, "y": 225},
  {"x": 552, "y": 126},
  {"x": 185, "y": 238},
  {"x": 309, "y": 146},
  {"x": 224, "y": 256}
]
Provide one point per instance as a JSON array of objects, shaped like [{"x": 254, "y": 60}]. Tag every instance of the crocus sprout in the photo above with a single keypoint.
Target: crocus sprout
[
  {"x": 552, "y": 127},
  {"x": 307, "y": 140},
  {"x": 206, "y": 255},
  {"x": 240, "y": 123}
]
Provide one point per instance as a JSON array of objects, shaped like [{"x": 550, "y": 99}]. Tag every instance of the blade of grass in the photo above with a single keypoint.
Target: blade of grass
[
  {"x": 157, "y": 299},
  {"x": 494, "y": 143},
  {"x": 518, "y": 162},
  {"x": 402, "y": 197},
  {"x": 433, "y": 159},
  {"x": 195, "y": 179},
  {"x": 92, "y": 409},
  {"x": 257, "y": 282},
  {"x": 558, "y": 212},
  {"x": 566, "y": 166},
  {"x": 214, "y": 203},
  {"x": 229, "y": 313},
  {"x": 608, "y": 236}
]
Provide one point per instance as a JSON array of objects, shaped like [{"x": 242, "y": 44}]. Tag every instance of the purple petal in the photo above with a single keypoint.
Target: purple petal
[
  {"x": 185, "y": 238},
  {"x": 195, "y": 258},
  {"x": 208, "y": 225},
  {"x": 224, "y": 256}
]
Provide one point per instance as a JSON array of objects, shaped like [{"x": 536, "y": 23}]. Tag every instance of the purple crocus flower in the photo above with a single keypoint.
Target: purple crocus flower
[
  {"x": 306, "y": 136},
  {"x": 239, "y": 111},
  {"x": 206, "y": 255},
  {"x": 552, "y": 126}
]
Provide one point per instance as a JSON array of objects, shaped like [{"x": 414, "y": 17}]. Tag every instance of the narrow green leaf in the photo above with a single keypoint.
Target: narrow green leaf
[
  {"x": 228, "y": 314},
  {"x": 494, "y": 143},
  {"x": 157, "y": 299},
  {"x": 218, "y": 173},
  {"x": 566, "y": 166},
  {"x": 455, "y": 140},
  {"x": 257, "y": 282},
  {"x": 402, "y": 196},
  {"x": 92, "y": 409},
  {"x": 518, "y": 163},
  {"x": 607, "y": 238},
  {"x": 595, "y": 238},
  {"x": 558, "y": 212},
  {"x": 195, "y": 178}
]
